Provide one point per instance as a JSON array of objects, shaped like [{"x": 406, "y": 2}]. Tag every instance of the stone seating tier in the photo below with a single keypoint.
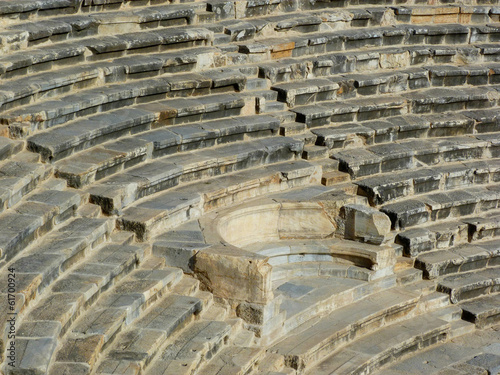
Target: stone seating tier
[{"x": 160, "y": 221}]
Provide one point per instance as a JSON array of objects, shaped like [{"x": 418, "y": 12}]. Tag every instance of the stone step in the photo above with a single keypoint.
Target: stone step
[
  {"x": 411, "y": 154},
  {"x": 9, "y": 147},
  {"x": 301, "y": 348},
  {"x": 459, "y": 259},
  {"x": 113, "y": 312},
  {"x": 474, "y": 230},
  {"x": 34, "y": 217},
  {"x": 233, "y": 360},
  {"x": 350, "y": 85},
  {"x": 385, "y": 345},
  {"x": 352, "y": 39},
  {"x": 403, "y": 127},
  {"x": 199, "y": 342},
  {"x": 103, "y": 47},
  {"x": 484, "y": 228},
  {"x": 410, "y": 57},
  {"x": 307, "y": 299},
  {"x": 124, "y": 188},
  {"x": 56, "y": 311},
  {"x": 483, "y": 311},
  {"x": 49, "y": 113},
  {"x": 23, "y": 90},
  {"x": 313, "y": 152},
  {"x": 307, "y": 267},
  {"x": 465, "y": 286},
  {"x": 471, "y": 353},
  {"x": 385, "y": 188},
  {"x": 102, "y": 163},
  {"x": 334, "y": 177},
  {"x": 19, "y": 178},
  {"x": 440, "y": 206},
  {"x": 140, "y": 343},
  {"x": 61, "y": 142}
]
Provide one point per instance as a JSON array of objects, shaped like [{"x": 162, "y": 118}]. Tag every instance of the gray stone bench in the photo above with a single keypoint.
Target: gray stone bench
[
  {"x": 200, "y": 340},
  {"x": 101, "y": 99},
  {"x": 25, "y": 9},
  {"x": 111, "y": 157},
  {"x": 101, "y": 48},
  {"x": 121, "y": 189},
  {"x": 35, "y": 87},
  {"x": 440, "y": 206},
  {"x": 61, "y": 142},
  {"x": 483, "y": 312},
  {"x": 81, "y": 292},
  {"x": 114, "y": 311},
  {"x": 34, "y": 217},
  {"x": 136, "y": 345},
  {"x": 302, "y": 349},
  {"x": 392, "y": 342},
  {"x": 383, "y": 189},
  {"x": 37, "y": 270},
  {"x": 458, "y": 259},
  {"x": 465, "y": 286},
  {"x": 18, "y": 179},
  {"x": 408, "y": 153},
  {"x": 444, "y": 14}
]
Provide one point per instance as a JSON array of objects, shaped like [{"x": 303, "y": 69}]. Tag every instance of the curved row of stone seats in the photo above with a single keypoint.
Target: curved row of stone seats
[
  {"x": 440, "y": 206},
  {"x": 76, "y": 26},
  {"x": 405, "y": 154},
  {"x": 356, "y": 84},
  {"x": 483, "y": 311},
  {"x": 49, "y": 113},
  {"x": 352, "y": 39},
  {"x": 303, "y": 347},
  {"x": 178, "y": 205},
  {"x": 426, "y": 101},
  {"x": 473, "y": 353},
  {"x": 18, "y": 178},
  {"x": 109, "y": 46},
  {"x": 354, "y": 325},
  {"x": 393, "y": 342},
  {"x": 60, "y": 142},
  {"x": 38, "y": 86},
  {"x": 92, "y": 301},
  {"x": 112, "y": 157},
  {"x": 374, "y": 59},
  {"x": 35, "y": 216},
  {"x": 458, "y": 259},
  {"x": 121, "y": 189},
  {"x": 175, "y": 316},
  {"x": 446, "y": 14},
  {"x": 385, "y": 188},
  {"x": 390, "y": 129},
  {"x": 38, "y": 267},
  {"x": 468, "y": 285},
  {"x": 102, "y": 48},
  {"x": 59, "y": 28},
  {"x": 112, "y": 312},
  {"x": 441, "y": 236}
]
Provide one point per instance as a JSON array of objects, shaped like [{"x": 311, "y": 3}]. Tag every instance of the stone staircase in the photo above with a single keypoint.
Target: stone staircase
[{"x": 249, "y": 187}]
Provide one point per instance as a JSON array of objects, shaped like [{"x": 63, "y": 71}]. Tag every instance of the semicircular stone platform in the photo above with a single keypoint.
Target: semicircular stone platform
[{"x": 249, "y": 187}]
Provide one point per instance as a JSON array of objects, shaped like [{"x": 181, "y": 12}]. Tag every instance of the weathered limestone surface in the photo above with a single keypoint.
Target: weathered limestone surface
[{"x": 249, "y": 187}]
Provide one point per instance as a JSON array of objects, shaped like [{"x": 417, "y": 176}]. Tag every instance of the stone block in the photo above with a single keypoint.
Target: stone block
[{"x": 366, "y": 224}]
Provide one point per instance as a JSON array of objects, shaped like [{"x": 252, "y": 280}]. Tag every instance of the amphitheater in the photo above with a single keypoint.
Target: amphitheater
[{"x": 250, "y": 187}]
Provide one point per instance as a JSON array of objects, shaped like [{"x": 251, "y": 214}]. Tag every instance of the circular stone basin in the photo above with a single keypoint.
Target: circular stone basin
[{"x": 274, "y": 222}]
